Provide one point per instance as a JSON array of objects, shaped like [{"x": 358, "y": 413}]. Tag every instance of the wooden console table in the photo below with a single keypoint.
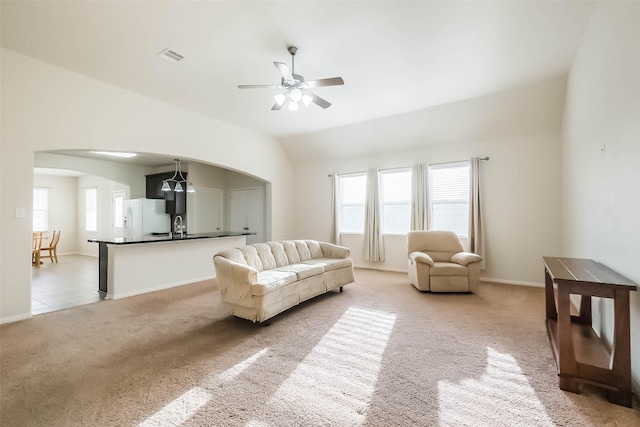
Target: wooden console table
[{"x": 580, "y": 355}]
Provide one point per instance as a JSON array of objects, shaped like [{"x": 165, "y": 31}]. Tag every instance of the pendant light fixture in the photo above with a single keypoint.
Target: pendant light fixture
[{"x": 179, "y": 179}]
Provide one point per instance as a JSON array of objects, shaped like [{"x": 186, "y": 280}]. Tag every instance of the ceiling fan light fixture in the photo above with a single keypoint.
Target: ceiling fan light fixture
[
  {"x": 280, "y": 98},
  {"x": 294, "y": 87},
  {"x": 295, "y": 94}
]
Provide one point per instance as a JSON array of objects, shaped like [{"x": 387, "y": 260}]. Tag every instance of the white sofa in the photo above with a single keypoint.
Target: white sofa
[{"x": 258, "y": 281}]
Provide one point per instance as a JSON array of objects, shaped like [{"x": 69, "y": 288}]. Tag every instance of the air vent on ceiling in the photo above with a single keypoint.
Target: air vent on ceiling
[{"x": 170, "y": 55}]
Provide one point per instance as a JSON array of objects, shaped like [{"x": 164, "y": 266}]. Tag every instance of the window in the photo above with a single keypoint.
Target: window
[
  {"x": 40, "y": 209},
  {"x": 91, "y": 209},
  {"x": 395, "y": 194},
  {"x": 449, "y": 197},
  {"x": 351, "y": 195}
]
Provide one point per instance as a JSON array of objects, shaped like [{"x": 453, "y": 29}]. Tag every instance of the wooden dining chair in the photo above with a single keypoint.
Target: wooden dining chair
[
  {"x": 36, "y": 247},
  {"x": 52, "y": 248}
]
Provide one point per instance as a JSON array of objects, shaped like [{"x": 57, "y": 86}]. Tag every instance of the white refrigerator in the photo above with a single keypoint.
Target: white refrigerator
[{"x": 144, "y": 217}]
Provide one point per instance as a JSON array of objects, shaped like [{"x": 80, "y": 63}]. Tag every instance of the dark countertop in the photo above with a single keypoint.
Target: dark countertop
[{"x": 166, "y": 238}]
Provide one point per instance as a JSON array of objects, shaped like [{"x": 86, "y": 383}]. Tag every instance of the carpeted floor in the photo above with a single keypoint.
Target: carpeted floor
[{"x": 379, "y": 354}]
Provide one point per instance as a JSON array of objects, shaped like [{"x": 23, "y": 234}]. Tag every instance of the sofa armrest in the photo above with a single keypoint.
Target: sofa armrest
[
  {"x": 329, "y": 250},
  {"x": 421, "y": 257},
  {"x": 465, "y": 258},
  {"x": 234, "y": 279}
]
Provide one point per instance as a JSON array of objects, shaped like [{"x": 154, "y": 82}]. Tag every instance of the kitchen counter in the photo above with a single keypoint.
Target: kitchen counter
[
  {"x": 167, "y": 237},
  {"x": 134, "y": 266}
]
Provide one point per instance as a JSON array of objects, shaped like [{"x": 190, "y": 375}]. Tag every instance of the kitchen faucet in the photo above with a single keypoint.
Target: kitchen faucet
[{"x": 175, "y": 225}]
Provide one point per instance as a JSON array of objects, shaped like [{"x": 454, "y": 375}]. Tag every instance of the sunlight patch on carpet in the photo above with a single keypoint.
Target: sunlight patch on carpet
[
  {"x": 179, "y": 410},
  {"x": 184, "y": 407},
  {"x": 502, "y": 392},
  {"x": 231, "y": 373},
  {"x": 336, "y": 381}
]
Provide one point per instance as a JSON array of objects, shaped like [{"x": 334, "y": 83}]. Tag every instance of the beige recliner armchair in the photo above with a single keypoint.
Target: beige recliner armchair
[{"x": 438, "y": 263}]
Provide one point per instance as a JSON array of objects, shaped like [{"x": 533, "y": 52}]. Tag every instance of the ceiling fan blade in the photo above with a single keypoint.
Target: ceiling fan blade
[
  {"x": 320, "y": 101},
  {"x": 284, "y": 71},
  {"x": 259, "y": 86},
  {"x": 276, "y": 106},
  {"x": 333, "y": 81}
]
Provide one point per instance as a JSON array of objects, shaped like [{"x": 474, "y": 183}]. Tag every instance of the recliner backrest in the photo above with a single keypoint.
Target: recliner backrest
[{"x": 439, "y": 245}]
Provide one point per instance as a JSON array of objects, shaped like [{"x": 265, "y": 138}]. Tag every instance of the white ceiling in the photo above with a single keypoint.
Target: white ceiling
[{"x": 395, "y": 57}]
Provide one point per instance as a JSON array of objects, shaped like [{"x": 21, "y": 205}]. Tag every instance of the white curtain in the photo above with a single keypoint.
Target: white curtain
[
  {"x": 476, "y": 233},
  {"x": 334, "y": 210},
  {"x": 419, "y": 199},
  {"x": 374, "y": 246}
]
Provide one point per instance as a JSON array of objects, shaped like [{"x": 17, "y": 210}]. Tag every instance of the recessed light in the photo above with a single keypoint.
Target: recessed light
[
  {"x": 115, "y": 154},
  {"x": 170, "y": 55}
]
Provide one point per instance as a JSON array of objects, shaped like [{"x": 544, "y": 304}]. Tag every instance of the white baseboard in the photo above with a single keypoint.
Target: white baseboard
[
  {"x": 482, "y": 279},
  {"x": 16, "y": 318},
  {"x": 369, "y": 267},
  {"x": 78, "y": 253},
  {"x": 512, "y": 282}
]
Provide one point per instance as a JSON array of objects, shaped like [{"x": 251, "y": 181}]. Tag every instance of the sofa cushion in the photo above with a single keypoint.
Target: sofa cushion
[
  {"x": 266, "y": 256},
  {"x": 251, "y": 256},
  {"x": 314, "y": 248},
  {"x": 448, "y": 269},
  {"x": 303, "y": 270},
  {"x": 291, "y": 251},
  {"x": 280, "y": 256},
  {"x": 303, "y": 250},
  {"x": 330, "y": 264},
  {"x": 270, "y": 280}
]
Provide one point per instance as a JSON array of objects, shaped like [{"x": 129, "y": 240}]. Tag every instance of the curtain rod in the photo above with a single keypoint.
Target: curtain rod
[
  {"x": 434, "y": 164},
  {"x": 455, "y": 161}
]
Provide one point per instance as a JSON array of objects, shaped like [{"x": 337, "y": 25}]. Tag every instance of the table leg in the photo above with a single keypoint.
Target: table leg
[{"x": 568, "y": 368}]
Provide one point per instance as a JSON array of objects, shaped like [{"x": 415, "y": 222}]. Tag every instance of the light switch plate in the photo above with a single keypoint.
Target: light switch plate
[{"x": 20, "y": 213}]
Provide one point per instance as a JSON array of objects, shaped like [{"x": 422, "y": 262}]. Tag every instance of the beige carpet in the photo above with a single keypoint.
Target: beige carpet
[{"x": 379, "y": 354}]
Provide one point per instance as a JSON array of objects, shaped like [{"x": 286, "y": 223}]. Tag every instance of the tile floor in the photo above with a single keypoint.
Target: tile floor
[{"x": 71, "y": 282}]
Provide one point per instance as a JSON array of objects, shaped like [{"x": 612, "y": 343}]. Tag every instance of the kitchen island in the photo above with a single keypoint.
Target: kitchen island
[{"x": 130, "y": 267}]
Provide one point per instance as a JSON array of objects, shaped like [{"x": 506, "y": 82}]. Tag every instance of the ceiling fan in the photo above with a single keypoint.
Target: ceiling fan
[{"x": 295, "y": 88}]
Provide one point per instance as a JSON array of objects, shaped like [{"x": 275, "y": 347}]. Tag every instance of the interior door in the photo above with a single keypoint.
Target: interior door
[
  {"x": 247, "y": 212},
  {"x": 117, "y": 213}
]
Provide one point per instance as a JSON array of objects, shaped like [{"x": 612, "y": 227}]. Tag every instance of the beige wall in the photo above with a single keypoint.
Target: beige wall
[
  {"x": 601, "y": 156},
  {"x": 44, "y": 108},
  {"x": 520, "y": 182}
]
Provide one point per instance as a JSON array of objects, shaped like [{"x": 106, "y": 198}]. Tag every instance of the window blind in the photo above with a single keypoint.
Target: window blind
[
  {"x": 449, "y": 197},
  {"x": 352, "y": 190},
  {"x": 396, "y": 200}
]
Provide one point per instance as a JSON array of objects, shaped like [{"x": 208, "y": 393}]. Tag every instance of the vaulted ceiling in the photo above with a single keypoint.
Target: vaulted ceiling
[{"x": 395, "y": 57}]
